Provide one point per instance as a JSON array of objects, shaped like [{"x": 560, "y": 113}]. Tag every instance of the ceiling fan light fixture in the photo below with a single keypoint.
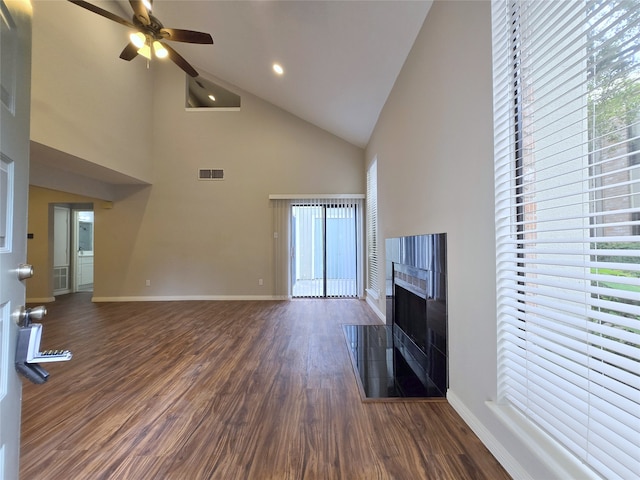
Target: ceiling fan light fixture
[
  {"x": 159, "y": 50},
  {"x": 145, "y": 51},
  {"x": 145, "y": 29},
  {"x": 138, "y": 39}
]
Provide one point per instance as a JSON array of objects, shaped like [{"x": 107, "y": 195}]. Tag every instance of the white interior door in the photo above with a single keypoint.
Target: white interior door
[
  {"x": 61, "y": 249},
  {"x": 15, "y": 82}
]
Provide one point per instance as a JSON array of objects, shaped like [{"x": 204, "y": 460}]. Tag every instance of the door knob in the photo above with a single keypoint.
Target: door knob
[
  {"x": 36, "y": 313},
  {"x": 24, "y": 271},
  {"x": 27, "y": 315}
]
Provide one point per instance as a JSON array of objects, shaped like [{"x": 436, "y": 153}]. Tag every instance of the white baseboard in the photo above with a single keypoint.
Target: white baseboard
[
  {"x": 376, "y": 310},
  {"x": 183, "y": 298},
  {"x": 41, "y": 300},
  {"x": 510, "y": 464}
]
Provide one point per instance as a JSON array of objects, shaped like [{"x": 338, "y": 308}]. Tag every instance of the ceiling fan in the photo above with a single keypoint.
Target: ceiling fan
[{"x": 149, "y": 36}]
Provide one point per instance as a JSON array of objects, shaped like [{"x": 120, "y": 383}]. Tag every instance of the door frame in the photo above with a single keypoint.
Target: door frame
[
  {"x": 75, "y": 245},
  {"x": 72, "y": 242},
  {"x": 318, "y": 225},
  {"x": 67, "y": 247}
]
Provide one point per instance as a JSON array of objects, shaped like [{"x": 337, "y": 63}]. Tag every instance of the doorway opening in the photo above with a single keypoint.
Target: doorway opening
[
  {"x": 73, "y": 234},
  {"x": 325, "y": 260}
]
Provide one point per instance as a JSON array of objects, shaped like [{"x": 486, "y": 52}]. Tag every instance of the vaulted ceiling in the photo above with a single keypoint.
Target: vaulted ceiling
[{"x": 340, "y": 57}]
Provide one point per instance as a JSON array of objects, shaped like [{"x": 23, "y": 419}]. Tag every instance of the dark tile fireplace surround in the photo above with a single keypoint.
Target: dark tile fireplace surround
[{"x": 407, "y": 357}]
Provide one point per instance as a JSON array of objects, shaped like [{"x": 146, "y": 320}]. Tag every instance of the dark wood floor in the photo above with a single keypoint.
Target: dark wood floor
[{"x": 226, "y": 390}]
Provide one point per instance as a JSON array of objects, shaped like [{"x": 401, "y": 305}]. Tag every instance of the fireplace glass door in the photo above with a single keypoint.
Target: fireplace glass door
[{"x": 324, "y": 262}]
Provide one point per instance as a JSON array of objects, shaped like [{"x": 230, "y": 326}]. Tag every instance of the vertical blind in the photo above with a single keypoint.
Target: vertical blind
[
  {"x": 372, "y": 229},
  {"x": 317, "y": 245},
  {"x": 281, "y": 221},
  {"x": 567, "y": 180}
]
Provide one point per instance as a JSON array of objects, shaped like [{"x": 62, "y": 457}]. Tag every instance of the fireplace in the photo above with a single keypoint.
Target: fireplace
[
  {"x": 408, "y": 356},
  {"x": 417, "y": 306}
]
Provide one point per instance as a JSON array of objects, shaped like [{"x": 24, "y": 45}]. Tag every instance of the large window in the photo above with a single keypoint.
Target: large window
[{"x": 567, "y": 116}]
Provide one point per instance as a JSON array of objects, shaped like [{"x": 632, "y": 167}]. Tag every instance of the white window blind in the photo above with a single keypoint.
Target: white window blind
[
  {"x": 567, "y": 179},
  {"x": 373, "y": 286}
]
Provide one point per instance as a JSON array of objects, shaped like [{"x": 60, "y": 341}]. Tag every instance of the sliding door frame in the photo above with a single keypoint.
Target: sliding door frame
[{"x": 283, "y": 244}]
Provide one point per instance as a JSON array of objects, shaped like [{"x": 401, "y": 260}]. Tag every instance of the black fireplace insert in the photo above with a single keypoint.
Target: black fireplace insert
[{"x": 407, "y": 357}]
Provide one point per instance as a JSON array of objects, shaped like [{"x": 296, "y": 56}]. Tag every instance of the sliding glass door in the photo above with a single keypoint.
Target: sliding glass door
[{"x": 324, "y": 238}]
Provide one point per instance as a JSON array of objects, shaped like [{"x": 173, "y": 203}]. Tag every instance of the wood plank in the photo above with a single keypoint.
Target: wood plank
[{"x": 226, "y": 390}]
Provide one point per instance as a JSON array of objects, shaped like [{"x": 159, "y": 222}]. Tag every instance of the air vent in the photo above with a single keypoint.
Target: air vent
[{"x": 210, "y": 174}]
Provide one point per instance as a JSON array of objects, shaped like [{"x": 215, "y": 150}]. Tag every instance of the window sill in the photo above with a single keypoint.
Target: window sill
[{"x": 557, "y": 458}]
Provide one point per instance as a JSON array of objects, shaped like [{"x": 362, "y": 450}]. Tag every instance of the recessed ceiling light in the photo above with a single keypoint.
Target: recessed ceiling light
[
  {"x": 213, "y": 99},
  {"x": 278, "y": 69}
]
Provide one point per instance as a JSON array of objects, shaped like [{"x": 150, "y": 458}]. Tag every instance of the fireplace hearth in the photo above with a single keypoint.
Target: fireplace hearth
[
  {"x": 407, "y": 357},
  {"x": 381, "y": 368}
]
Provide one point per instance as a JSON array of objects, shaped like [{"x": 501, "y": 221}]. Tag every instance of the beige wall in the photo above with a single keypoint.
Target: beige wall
[
  {"x": 434, "y": 144},
  {"x": 215, "y": 239},
  {"x": 79, "y": 86},
  {"x": 40, "y": 247}
]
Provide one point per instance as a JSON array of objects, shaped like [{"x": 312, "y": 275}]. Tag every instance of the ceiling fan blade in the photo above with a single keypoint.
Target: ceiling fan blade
[
  {"x": 104, "y": 13},
  {"x": 140, "y": 11},
  {"x": 181, "y": 62},
  {"x": 188, "y": 36},
  {"x": 129, "y": 52}
]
